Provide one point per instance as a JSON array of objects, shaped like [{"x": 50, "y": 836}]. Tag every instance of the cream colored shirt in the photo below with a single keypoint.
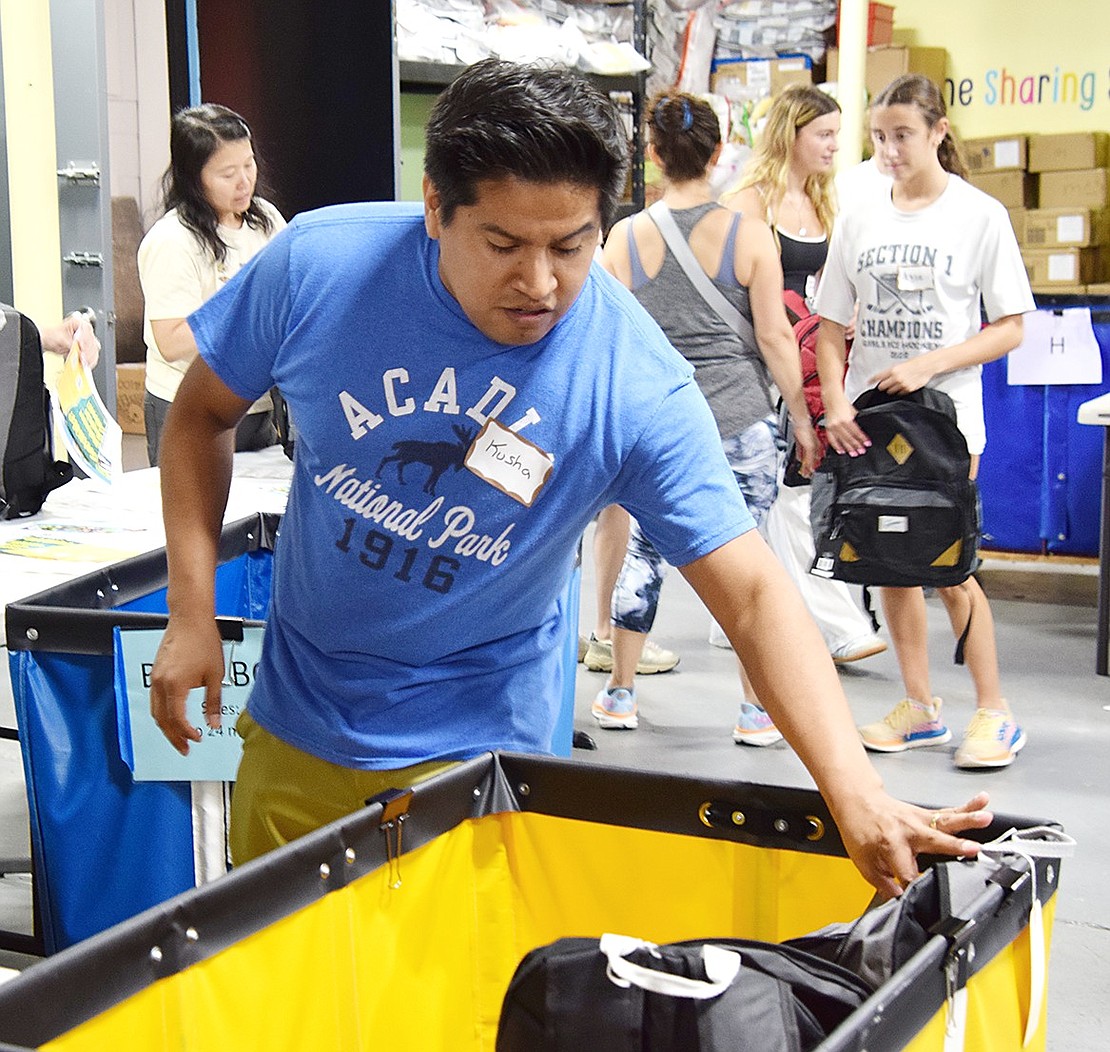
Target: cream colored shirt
[{"x": 178, "y": 274}]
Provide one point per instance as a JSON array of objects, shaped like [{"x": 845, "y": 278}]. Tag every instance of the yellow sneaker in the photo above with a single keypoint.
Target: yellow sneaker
[
  {"x": 909, "y": 725},
  {"x": 992, "y": 739}
]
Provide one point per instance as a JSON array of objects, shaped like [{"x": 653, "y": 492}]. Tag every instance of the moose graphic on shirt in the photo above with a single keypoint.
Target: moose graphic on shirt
[{"x": 437, "y": 456}]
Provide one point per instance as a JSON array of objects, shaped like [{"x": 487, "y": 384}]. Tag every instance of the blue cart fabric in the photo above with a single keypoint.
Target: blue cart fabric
[
  {"x": 104, "y": 846},
  {"x": 1041, "y": 472}
]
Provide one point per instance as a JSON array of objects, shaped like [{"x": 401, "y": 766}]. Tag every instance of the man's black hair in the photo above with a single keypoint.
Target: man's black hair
[{"x": 541, "y": 124}]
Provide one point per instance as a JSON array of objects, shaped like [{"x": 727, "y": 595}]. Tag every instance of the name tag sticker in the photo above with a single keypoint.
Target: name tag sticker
[
  {"x": 914, "y": 279},
  {"x": 517, "y": 467}
]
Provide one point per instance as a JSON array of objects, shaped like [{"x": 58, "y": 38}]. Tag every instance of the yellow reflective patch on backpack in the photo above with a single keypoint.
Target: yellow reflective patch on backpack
[
  {"x": 848, "y": 554},
  {"x": 950, "y": 556}
]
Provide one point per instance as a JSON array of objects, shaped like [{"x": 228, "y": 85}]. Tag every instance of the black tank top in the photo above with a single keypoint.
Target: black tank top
[{"x": 801, "y": 257}]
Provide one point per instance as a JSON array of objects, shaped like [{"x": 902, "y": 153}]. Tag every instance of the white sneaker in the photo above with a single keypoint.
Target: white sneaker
[
  {"x": 717, "y": 637},
  {"x": 857, "y": 649},
  {"x": 654, "y": 658}
]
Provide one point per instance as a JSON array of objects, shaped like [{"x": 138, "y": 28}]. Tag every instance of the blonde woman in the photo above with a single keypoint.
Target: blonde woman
[
  {"x": 789, "y": 183},
  {"x": 789, "y": 180}
]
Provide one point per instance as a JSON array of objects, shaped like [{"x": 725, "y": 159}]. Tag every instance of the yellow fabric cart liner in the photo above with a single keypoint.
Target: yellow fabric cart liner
[{"x": 401, "y": 926}]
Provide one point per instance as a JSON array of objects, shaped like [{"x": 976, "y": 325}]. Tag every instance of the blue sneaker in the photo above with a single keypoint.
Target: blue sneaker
[
  {"x": 993, "y": 739},
  {"x": 754, "y": 726},
  {"x": 615, "y": 709}
]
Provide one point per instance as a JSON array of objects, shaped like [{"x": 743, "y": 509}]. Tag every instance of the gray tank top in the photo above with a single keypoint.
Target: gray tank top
[{"x": 730, "y": 373}]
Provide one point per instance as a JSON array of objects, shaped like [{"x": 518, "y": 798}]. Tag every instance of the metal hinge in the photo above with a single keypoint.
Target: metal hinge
[
  {"x": 81, "y": 173},
  {"x": 84, "y": 259}
]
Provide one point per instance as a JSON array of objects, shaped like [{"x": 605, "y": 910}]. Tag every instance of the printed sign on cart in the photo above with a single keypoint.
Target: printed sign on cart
[
  {"x": 142, "y": 745},
  {"x": 1058, "y": 347}
]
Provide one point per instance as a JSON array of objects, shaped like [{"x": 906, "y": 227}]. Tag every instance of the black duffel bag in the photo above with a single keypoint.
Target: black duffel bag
[{"x": 623, "y": 995}]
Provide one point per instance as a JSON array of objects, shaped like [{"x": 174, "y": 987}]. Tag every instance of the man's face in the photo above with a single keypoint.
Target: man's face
[{"x": 517, "y": 259}]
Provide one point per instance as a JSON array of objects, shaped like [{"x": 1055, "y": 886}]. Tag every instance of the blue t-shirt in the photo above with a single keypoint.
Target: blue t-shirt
[{"x": 417, "y": 608}]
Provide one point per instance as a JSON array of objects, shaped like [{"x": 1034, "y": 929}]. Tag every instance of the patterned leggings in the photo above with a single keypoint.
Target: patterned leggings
[{"x": 753, "y": 456}]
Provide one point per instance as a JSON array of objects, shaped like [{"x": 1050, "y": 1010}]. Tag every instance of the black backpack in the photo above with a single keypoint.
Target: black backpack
[
  {"x": 576, "y": 994},
  {"x": 28, "y": 471},
  {"x": 903, "y": 513}
]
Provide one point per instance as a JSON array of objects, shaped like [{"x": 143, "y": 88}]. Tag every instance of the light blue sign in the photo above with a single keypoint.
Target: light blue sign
[{"x": 142, "y": 745}]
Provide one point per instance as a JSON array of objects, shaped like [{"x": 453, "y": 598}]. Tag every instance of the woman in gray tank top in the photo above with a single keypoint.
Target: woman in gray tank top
[{"x": 733, "y": 366}]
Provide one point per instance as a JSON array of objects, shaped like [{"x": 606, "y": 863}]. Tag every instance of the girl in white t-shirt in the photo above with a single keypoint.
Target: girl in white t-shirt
[
  {"x": 214, "y": 222},
  {"x": 924, "y": 261}
]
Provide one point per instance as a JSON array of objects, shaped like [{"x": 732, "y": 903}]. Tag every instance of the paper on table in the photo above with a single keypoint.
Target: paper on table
[
  {"x": 73, "y": 542},
  {"x": 92, "y": 438}
]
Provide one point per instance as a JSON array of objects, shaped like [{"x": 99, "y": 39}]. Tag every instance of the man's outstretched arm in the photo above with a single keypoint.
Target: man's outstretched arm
[{"x": 761, "y": 612}]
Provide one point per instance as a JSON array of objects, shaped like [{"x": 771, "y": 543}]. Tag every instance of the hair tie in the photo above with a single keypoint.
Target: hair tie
[{"x": 687, "y": 115}]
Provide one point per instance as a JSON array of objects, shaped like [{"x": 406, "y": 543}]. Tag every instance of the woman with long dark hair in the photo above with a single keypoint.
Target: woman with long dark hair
[{"x": 213, "y": 222}]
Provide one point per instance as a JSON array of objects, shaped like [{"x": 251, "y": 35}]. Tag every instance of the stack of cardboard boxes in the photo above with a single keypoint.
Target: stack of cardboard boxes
[
  {"x": 1057, "y": 190},
  {"x": 887, "y": 62}
]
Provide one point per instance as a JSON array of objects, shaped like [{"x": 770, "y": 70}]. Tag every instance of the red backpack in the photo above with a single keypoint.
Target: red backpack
[{"x": 805, "y": 325}]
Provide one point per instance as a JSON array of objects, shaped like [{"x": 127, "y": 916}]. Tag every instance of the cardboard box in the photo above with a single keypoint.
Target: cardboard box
[
  {"x": 1054, "y": 267},
  {"x": 1059, "y": 290},
  {"x": 1099, "y": 289},
  {"x": 756, "y": 77},
  {"x": 1014, "y": 189},
  {"x": 1086, "y": 188},
  {"x": 1017, "y": 221},
  {"x": 1065, "y": 227},
  {"x": 880, "y": 24},
  {"x": 884, "y": 64},
  {"x": 130, "y": 388},
  {"x": 1062, "y": 153},
  {"x": 995, "y": 155}
]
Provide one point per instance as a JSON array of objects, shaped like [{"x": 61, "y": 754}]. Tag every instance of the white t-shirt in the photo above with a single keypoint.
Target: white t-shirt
[
  {"x": 860, "y": 182},
  {"x": 178, "y": 274},
  {"x": 922, "y": 279}
]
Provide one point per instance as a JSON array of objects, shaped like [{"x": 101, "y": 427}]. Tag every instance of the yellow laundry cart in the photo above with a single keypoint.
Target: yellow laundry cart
[{"x": 400, "y": 927}]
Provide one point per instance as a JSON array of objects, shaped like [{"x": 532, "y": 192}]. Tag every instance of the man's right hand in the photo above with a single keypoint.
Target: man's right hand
[{"x": 191, "y": 655}]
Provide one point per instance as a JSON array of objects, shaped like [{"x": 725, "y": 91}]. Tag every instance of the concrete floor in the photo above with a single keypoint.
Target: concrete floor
[{"x": 1047, "y": 654}]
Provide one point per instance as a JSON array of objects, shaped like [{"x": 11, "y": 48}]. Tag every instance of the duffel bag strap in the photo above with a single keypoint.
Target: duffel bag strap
[
  {"x": 1033, "y": 843},
  {"x": 721, "y": 967}
]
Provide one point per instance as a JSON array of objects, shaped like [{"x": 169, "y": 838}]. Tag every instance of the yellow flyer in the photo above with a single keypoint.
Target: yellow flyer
[{"x": 92, "y": 437}]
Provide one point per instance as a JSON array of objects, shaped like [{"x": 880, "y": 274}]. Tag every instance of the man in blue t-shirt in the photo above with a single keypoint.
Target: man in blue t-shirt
[{"x": 469, "y": 391}]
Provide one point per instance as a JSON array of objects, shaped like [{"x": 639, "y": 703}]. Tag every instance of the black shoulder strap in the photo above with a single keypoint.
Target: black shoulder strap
[{"x": 9, "y": 383}]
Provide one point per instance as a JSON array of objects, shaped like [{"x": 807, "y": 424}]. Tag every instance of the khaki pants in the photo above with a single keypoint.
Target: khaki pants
[{"x": 282, "y": 793}]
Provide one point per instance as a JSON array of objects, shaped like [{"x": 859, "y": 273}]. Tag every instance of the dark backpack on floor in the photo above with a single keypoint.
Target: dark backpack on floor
[
  {"x": 571, "y": 995},
  {"x": 904, "y": 513},
  {"x": 28, "y": 470}
]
